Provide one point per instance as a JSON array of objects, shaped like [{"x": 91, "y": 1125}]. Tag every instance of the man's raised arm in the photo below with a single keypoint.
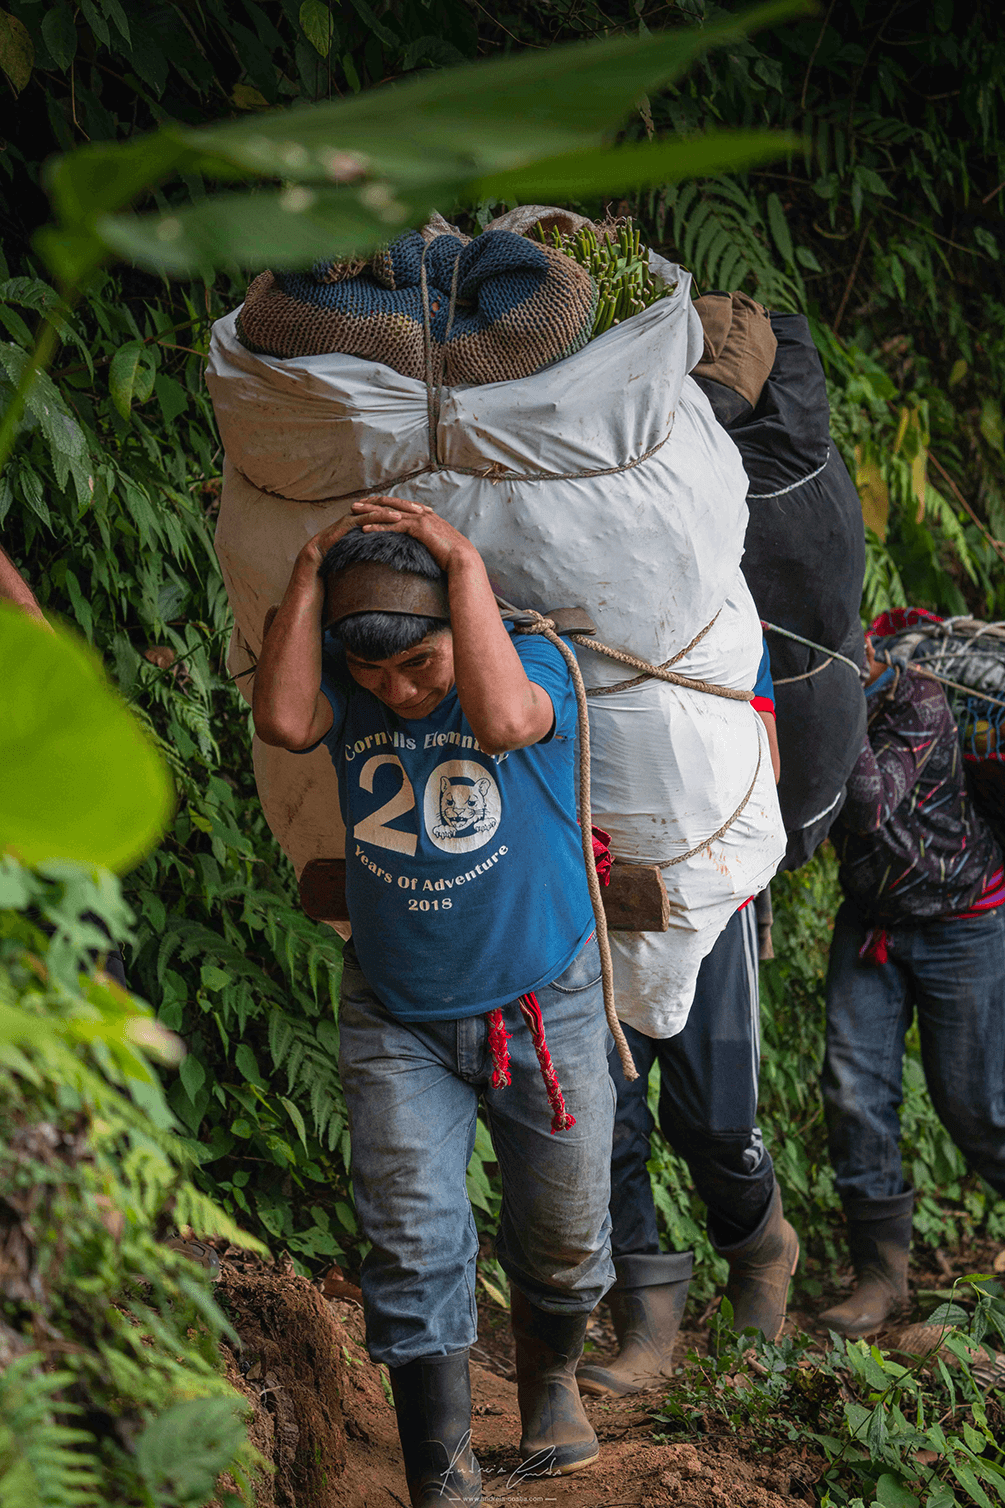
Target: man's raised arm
[
  {"x": 288, "y": 705},
  {"x": 506, "y": 710}
]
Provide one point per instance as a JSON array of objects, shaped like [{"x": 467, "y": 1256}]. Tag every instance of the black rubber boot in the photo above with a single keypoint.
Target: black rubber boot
[
  {"x": 556, "y": 1436},
  {"x": 879, "y": 1241},
  {"x": 647, "y": 1305},
  {"x": 760, "y": 1269},
  {"x": 432, "y": 1399}
]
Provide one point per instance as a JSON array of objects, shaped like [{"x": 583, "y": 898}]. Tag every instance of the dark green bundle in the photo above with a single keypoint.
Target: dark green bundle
[{"x": 618, "y": 264}]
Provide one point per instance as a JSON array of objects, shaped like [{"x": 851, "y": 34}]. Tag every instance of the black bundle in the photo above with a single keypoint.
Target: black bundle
[{"x": 804, "y": 561}]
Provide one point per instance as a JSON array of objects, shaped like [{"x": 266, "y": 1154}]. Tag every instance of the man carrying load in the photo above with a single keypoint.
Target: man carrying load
[
  {"x": 707, "y": 1114},
  {"x": 921, "y": 932},
  {"x": 473, "y": 973}
]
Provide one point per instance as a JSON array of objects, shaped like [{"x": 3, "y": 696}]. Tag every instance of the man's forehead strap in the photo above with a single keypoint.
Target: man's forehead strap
[{"x": 369, "y": 586}]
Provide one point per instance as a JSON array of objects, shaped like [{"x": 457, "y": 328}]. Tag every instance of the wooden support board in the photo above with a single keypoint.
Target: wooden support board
[{"x": 634, "y": 901}]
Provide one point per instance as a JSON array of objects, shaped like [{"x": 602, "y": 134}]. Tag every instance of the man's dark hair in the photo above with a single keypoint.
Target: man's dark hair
[{"x": 380, "y": 636}]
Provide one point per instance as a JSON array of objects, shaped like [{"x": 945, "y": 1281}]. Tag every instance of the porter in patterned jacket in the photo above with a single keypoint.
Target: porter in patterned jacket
[{"x": 922, "y": 931}]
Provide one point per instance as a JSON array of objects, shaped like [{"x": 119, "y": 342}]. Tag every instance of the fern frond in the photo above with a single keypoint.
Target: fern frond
[
  {"x": 43, "y": 1463},
  {"x": 941, "y": 510},
  {"x": 723, "y": 236}
]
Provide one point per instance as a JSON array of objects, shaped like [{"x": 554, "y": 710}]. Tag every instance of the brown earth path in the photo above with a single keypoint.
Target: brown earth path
[
  {"x": 322, "y": 1416},
  {"x": 322, "y": 1413}
]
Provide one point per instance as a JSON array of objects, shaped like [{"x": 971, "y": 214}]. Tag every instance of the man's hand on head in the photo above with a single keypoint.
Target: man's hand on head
[
  {"x": 315, "y": 550},
  {"x": 375, "y": 514},
  {"x": 392, "y": 515}
]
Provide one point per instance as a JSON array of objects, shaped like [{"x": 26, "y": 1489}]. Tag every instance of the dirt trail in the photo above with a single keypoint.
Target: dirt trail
[
  {"x": 632, "y": 1470},
  {"x": 322, "y": 1412},
  {"x": 323, "y": 1417}
]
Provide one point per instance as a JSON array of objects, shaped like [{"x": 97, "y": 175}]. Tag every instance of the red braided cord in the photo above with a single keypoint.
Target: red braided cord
[
  {"x": 875, "y": 949},
  {"x": 498, "y": 1040},
  {"x": 561, "y": 1119}
]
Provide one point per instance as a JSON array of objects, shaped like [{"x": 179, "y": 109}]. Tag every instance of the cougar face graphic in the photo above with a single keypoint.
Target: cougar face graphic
[{"x": 462, "y": 809}]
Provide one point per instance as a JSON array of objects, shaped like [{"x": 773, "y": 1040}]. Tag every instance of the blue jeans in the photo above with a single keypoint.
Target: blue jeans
[
  {"x": 412, "y": 1090},
  {"x": 953, "y": 974},
  {"x": 707, "y": 1103}
]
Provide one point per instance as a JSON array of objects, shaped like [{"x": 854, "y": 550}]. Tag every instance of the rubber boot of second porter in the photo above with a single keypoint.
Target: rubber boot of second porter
[
  {"x": 760, "y": 1270},
  {"x": 556, "y": 1435},
  {"x": 879, "y": 1240},
  {"x": 432, "y": 1399},
  {"x": 647, "y": 1305}
]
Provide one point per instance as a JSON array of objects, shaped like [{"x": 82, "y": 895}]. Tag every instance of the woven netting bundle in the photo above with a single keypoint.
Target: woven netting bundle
[
  {"x": 518, "y": 306},
  {"x": 968, "y": 658}
]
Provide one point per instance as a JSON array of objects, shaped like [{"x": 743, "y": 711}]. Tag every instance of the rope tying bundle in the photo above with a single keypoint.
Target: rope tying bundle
[
  {"x": 931, "y": 675},
  {"x": 707, "y": 842},
  {"x": 807, "y": 675},
  {"x": 545, "y": 626},
  {"x": 787, "y": 633},
  {"x": 764, "y": 497},
  {"x": 657, "y": 672}
]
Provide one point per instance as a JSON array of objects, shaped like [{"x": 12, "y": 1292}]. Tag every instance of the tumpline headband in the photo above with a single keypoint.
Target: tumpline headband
[{"x": 369, "y": 586}]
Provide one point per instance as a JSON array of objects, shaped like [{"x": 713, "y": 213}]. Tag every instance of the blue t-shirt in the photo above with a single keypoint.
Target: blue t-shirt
[
  {"x": 465, "y": 879},
  {"x": 764, "y": 690}
]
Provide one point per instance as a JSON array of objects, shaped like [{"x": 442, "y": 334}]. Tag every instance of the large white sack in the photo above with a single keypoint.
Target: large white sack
[
  {"x": 656, "y": 546},
  {"x": 690, "y": 756},
  {"x": 649, "y": 541}
]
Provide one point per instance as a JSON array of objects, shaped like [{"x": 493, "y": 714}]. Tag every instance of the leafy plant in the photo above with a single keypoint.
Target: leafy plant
[
  {"x": 900, "y": 1435},
  {"x": 109, "y": 497},
  {"x": 219, "y": 941},
  {"x": 78, "y": 740},
  {"x": 213, "y": 1434},
  {"x": 92, "y": 1175},
  {"x": 42, "y": 1461},
  {"x": 98, "y": 1320},
  {"x": 728, "y": 239}
]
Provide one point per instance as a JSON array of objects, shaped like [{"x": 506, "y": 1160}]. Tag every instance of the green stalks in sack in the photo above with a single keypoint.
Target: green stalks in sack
[{"x": 618, "y": 264}]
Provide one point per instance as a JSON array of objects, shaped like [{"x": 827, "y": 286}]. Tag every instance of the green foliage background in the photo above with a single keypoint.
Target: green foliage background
[
  {"x": 887, "y": 231},
  {"x": 108, "y": 1337}
]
